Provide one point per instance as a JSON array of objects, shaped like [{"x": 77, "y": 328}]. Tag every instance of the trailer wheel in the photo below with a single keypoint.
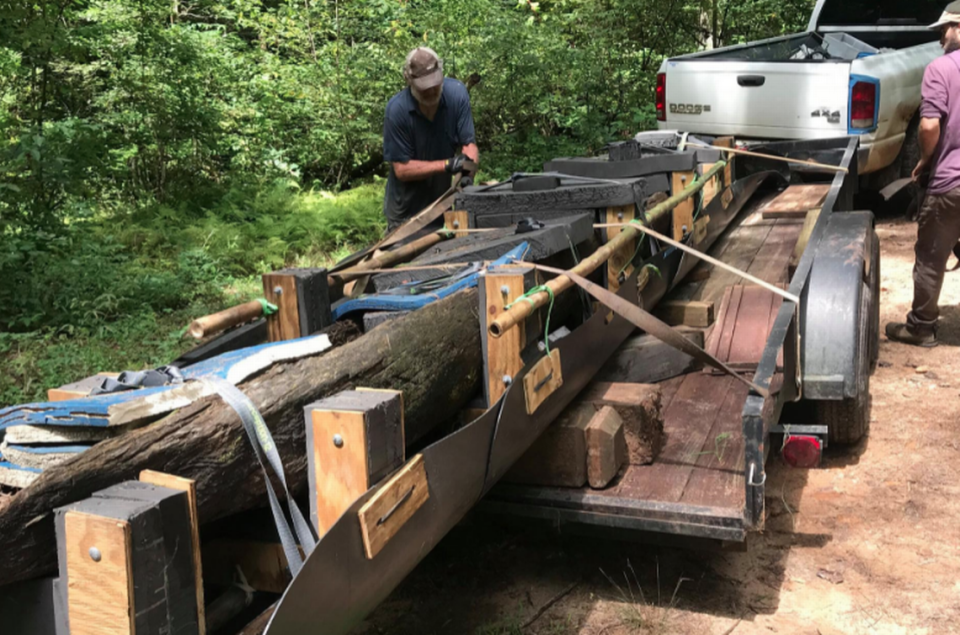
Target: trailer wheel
[
  {"x": 848, "y": 420},
  {"x": 873, "y": 284}
]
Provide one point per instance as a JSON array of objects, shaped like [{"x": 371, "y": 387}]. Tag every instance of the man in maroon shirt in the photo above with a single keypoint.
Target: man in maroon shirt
[{"x": 938, "y": 228}]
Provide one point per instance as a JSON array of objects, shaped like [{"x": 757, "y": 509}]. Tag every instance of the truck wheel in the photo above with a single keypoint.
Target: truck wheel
[
  {"x": 848, "y": 420},
  {"x": 909, "y": 157}
]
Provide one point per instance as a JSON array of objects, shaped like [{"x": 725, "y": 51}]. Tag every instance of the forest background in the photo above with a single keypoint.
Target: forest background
[{"x": 156, "y": 156}]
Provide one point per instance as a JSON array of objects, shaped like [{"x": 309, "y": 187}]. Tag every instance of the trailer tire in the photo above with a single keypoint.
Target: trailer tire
[{"x": 848, "y": 420}]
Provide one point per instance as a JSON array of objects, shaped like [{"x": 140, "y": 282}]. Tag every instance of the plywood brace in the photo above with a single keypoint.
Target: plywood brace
[
  {"x": 620, "y": 260},
  {"x": 682, "y": 213},
  {"x": 302, "y": 297},
  {"x": 393, "y": 505},
  {"x": 457, "y": 221},
  {"x": 501, "y": 355}
]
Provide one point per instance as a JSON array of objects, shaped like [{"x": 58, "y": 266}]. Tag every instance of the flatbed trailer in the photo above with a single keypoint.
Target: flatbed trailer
[{"x": 708, "y": 480}]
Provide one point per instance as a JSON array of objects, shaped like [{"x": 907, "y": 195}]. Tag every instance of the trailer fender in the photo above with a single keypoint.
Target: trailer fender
[{"x": 830, "y": 308}]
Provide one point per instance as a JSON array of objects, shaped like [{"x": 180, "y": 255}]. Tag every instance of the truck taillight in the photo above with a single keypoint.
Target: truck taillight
[
  {"x": 863, "y": 105},
  {"x": 661, "y": 96}
]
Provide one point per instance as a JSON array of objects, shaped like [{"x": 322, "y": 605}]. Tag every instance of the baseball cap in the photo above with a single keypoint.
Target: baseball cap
[
  {"x": 424, "y": 69},
  {"x": 951, "y": 15}
]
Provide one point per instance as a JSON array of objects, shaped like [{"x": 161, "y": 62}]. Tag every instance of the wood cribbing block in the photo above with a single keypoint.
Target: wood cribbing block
[
  {"x": 686, "y": 313},
  {"x": 139, "y": 531},
  {"x": 78, "y": 389},
  {"x": 621, "y": 257},
  {"x": 559, "y": 457},
  {"x": 354, "y": 440},
  {"x": 728, "y": 171},
  {"x": 639, "y": 406},
  {"x": 389, "y": 509},
  {"x": 455, "y": 221},
  {"x": 796, "y": 201},
  {"x": 644, "y": 359},
  {"x": 606, "y": 447},
  {"x": 302, "y": 297},
  {"x": 501, "y": 355}
]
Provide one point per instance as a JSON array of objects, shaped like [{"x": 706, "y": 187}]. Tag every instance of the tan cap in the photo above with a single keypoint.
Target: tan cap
[
  {"x": 424, "y": 68},
  {"x": 951, "y": 15}
]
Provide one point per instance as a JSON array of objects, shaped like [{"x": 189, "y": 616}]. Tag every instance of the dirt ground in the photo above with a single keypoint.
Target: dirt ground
[{"x": 869, "y": 543}]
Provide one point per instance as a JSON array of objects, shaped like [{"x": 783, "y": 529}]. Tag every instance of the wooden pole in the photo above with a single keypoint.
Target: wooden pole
[
  {"x": 773, "y": 157},
  {"x": 389, "y": 258},
  {"x": 210, "y": 324},
  {"x": 521, "y": 310}
]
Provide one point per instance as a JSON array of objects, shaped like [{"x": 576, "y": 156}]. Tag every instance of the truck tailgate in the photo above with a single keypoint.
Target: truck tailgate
[{"x": 783, "y": 100}]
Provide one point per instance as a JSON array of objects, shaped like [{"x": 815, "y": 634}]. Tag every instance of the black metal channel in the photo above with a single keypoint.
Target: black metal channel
[{"x": 755, "y": 428}]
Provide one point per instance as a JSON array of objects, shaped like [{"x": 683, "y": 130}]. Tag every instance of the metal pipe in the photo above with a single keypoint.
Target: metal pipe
[{"x": 520, "y": 311}]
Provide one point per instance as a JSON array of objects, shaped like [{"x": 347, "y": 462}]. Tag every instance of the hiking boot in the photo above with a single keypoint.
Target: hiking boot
[{"x": 904, "y": 334}]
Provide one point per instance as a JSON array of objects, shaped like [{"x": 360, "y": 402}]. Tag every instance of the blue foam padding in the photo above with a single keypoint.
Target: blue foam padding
[
  {"x": 51, "y": 449},
  {"x": 13, "y": 466},
  {"x": 386, "y": 302}
]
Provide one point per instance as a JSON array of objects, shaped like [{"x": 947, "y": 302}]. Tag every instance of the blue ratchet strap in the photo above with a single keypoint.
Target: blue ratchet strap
[{"x": 266, "y": 451}]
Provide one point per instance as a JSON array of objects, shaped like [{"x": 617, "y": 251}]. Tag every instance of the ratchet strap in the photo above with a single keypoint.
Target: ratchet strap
[
  {"x": 646, "y": 321},
  {"x": 266, "y": 451}
]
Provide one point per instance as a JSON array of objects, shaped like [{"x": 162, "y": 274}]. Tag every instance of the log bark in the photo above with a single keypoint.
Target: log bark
[{"x": 432, "y": 355}]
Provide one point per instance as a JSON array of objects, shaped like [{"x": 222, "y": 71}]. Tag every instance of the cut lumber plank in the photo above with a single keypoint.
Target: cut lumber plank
[
  {"x": 606, "y": 447},
  {"x": 747, "y": 313},
  {"x": 686, "y": 313},
  {"x": 433, "y": 355},
  {"x": 79, "y": 389},
  {"x": 644, "y": 359},
  {"x": 796, "y": 201},
  {"x": 559, "y": 457},
  {"x": 640, "y": 407}
]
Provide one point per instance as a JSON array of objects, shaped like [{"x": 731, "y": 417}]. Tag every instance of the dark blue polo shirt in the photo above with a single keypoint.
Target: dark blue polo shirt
[{"x": 409, "y": 136}]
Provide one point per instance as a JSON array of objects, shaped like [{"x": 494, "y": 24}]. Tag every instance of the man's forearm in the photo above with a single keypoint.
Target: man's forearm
[
  {"x": 418, "y": 170},
  {"x": 472, "y": 151},
  {"x": 929, "y": 137}
]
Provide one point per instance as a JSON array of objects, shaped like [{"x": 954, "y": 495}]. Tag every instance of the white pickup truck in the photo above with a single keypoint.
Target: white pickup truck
[{"x": 857, "y": 70}]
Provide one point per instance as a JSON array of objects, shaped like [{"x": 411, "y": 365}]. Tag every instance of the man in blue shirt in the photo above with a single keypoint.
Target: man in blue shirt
[{"x": 428, "y": 137}]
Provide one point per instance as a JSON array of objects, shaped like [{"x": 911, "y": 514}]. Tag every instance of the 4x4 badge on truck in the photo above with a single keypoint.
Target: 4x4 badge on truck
[{"x": 689, "y": 109}]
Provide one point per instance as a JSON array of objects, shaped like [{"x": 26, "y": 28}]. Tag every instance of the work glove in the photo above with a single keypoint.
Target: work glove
[{"x": 460, "y": 164}]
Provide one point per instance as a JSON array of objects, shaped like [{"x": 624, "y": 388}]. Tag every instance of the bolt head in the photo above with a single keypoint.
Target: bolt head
[
  {"x": 504, "y": 289},
  {"x": 619, "y": 215},
  {"x": 507, "y": 380},
  {"x": 456, "y": 224},
  {"x": 95, "y": 554},
  {"x": 338, "y": 440},
  {"x": 278, "y": 290}
]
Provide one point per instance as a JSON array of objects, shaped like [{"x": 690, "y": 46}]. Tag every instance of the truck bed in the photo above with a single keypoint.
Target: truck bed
[{"x": 700, "y": 467}]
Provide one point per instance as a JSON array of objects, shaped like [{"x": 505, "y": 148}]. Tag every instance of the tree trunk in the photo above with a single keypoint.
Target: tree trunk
[{"x": 432, "y": 355}]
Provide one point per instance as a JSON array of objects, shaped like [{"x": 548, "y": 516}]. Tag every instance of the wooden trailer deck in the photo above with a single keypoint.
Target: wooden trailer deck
[{"x": 701, "y": 463}]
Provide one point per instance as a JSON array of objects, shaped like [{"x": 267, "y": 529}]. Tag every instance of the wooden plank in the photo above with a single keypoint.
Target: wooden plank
[
  {"x": 78, "y": 389},
  {"x": 622, "y": 256},
  {"x": 502, "y": 353},
  {"x": 640, "y": 406},
  {"x": 796, "y": 200},
  {"x": 393, "y": 505},
  {"x": 190, "y": 487},
  {"x": 713, "y": 186},
  {"x": 285, "y": 323},
  {"x": 542, "y": 381},
  {"x": 751, "y": 327},
  {"x": 264, "y": 564},
  {"x": 558, "y": 458},
  {"x": 100, "y": 593},
  {"x": 728, "y": 171},
  {"x": 682, "y": 213},
  {"x": 770, "y": 262},
  {"x": 686, "y": 312},
  {"x": 457, "y": 220}
]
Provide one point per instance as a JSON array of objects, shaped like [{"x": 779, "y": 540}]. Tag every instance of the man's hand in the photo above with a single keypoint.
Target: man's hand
[
  {"x": 919, "y": 170},
  {"x": 459, "y": 164}
]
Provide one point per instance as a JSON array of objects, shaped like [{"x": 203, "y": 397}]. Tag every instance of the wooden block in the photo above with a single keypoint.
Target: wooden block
[
  {"x": 713, "y": 186},
  {"x": 264, "y": 564},
  {"x": 393, "y": 505},
  {"x": 606, "y": 447},
  {"x": 796, "y": 201},
  {"x": 501, "y": 355},
  {"x": 700, "y": 231},
  {"x": 303, "y": 301},
  {"x": 639, "y": 406},
  {"x": 686, "y": 312},
  {"x": 559, "y": 457},
  {"x": 190, "y": 487},
  {"x": 683, "y": 213},
  {"x": 354, "y": 440},
  {"x": 726, "y": 142},
  {"x": 78, "y": 389},
  {"x": 456, "y": 220},
  {"x": 621, "y": 257},
  {"x": 100, "y": 592},
  {"x": 646, "y": 360},
  {"x": 542, "y": 380}
]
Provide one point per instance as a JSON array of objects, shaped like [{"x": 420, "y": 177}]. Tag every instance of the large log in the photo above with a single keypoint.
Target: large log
[{"x": 432, "y": 355}]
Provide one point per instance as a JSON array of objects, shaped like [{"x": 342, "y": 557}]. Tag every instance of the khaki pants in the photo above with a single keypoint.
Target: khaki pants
[{"x": 938, "y": 230}]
